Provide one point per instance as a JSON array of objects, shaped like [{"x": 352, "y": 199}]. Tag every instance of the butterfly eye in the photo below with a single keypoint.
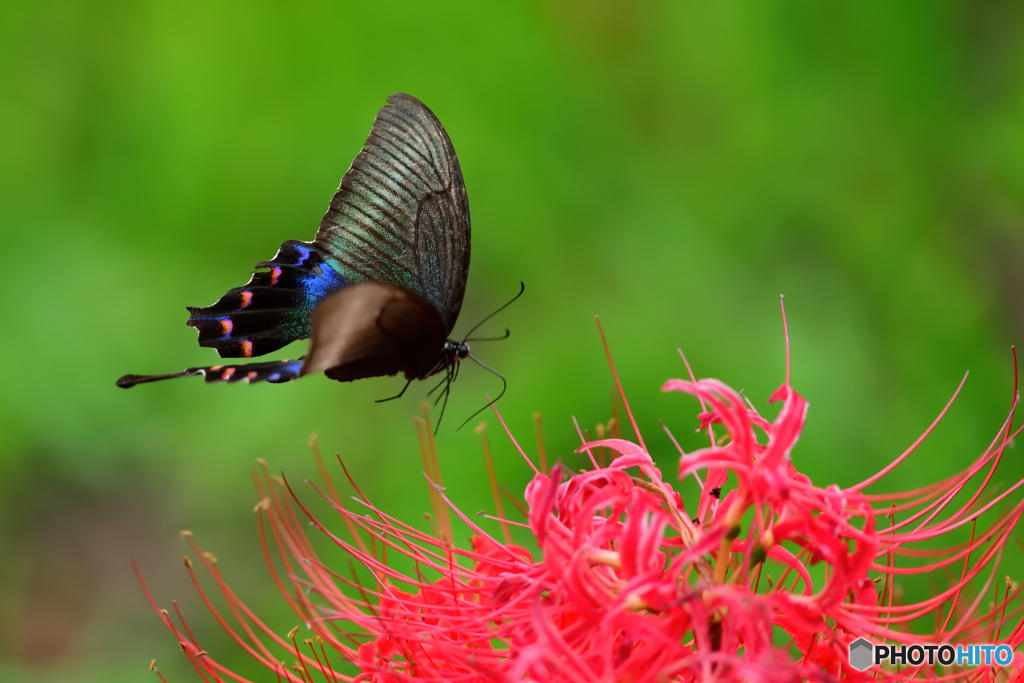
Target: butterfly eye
[{"x": 463, "y": 350}]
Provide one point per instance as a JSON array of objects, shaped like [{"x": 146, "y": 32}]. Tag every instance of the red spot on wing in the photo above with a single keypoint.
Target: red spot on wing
[
  {"x": 275, "y": 273},
  {"x": 246, "y": 349},
  {"x": 226, "y": 326},
  {"x": 252, "y": 375},
  {"x": 246, "y": 299},
  {"x": 228, "y": 372}
]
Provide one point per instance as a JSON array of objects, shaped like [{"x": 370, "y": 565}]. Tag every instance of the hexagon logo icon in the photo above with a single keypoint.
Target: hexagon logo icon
[{"x": 861, "y": 654}]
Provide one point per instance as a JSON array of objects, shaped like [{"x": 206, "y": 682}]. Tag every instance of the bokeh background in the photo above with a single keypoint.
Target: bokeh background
[{"x": 671, "y": 166}]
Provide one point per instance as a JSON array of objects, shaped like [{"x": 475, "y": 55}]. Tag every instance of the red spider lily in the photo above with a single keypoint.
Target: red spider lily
[{"x": 628, "y": 585}]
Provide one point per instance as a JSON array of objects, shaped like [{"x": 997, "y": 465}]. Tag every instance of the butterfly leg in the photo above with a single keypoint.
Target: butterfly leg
[
  {"x": 447, "y": 390},
  {"x": 398, "y": 395},
  {"x": 449, "y": 377},
  {"x": 439, "y": 384}
]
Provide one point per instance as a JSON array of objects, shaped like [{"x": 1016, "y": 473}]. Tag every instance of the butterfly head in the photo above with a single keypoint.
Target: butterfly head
[{"x": 455, "y": 350}]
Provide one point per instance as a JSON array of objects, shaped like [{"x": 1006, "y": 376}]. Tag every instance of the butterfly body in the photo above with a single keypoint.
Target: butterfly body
[{"x": 380, "y": 287}]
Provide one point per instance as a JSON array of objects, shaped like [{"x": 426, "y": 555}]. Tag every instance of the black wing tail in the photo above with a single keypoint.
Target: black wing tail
[
  {"x": 275, "y": 372},
  {"x": 273, "y": 309}
]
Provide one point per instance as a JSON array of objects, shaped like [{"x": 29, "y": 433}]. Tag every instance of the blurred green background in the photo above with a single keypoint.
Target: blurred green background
[{"x": 671, "y": 166}]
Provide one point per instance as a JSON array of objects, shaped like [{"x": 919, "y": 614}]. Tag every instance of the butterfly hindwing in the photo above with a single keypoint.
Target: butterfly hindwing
[
  {"x": 275, "y": 372},
  {"x": 273, "y": 309}
]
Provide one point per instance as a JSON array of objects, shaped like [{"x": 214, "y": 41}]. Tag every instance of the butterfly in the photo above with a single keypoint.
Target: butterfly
[{"x": 378, "y": 290}]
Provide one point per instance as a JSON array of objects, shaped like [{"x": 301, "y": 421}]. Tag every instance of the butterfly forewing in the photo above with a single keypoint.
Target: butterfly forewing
[{"x": 402, "y": 198}]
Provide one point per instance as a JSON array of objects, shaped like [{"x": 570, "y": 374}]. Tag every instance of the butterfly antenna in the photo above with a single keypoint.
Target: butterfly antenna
[
  {"x": 476, "y": 339},
  {"x": 504, "y": 385},
  {"x": 522, "y": 288}
]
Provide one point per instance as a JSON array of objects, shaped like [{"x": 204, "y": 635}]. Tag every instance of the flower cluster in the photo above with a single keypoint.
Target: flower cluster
[{"x": 626, "y": 580}]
